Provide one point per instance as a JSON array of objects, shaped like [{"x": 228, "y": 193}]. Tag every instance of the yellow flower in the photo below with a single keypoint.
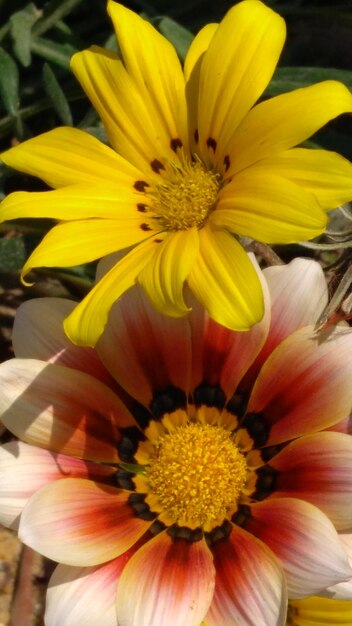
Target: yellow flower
[
  {"x": 193, "y": 161},
  {"x": 316, "y": 611}
]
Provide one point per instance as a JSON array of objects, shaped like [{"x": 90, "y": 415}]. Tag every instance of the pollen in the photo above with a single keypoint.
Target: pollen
[
  {"x": 197, "y": 474},
  {"x": 186, "y": 196}
]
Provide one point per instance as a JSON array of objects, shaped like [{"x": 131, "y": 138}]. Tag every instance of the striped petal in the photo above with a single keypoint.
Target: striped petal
[
  {"x": 154, "y": 350},
  {"x": 318, "y": 468},
  {"x": 166, "y": 582},
  {"x": 25, "y": 469},
  {"x": 305, "y": 385},
  {"x": 38, "y": 334},
  {"x": 164, "y": 276},
  {"x": 268, "y": 208},
  {"x": 67, "y": 156},
  {"x": 225, "y": 282},
  {"x": 88, "y": 320},
  {"x": 304, "y": 540},
  {"x": 79, "y": 522},
  {"x": 250, "y": 588},
  {"x": 325, "y": 174},
  {"x": 265, "y": 131},
  {"x": 73, "y": 243},
  {"x": 83, "y": 595},
  {"x": 61, "y": 409},
  {"x": 236, "y": 69}
]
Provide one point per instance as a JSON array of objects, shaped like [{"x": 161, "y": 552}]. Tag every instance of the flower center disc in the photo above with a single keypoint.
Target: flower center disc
[
  {"x": 197, "y": 474},
  {"x": 186, "y": 197}
]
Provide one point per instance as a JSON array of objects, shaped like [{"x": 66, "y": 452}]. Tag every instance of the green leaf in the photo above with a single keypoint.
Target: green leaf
[
  {"x": 289, "y": 78},
  {"x": 53, "y": 12},
  {"x": 179, "y": 36},
  {"x": 21, "y": 30},
  {"x": 56, "y": 95},
  {"x": 51, "y": 51},
  {"x": 13, "y": 253},
  {"x": 9, "y": 81}
]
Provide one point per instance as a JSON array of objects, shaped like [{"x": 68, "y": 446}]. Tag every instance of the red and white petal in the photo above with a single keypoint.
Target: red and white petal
[
  {"x": 25, "y": 469},
  {"x": 154, "y": 350},
  {"x": 298, "y": 294},
  {"x": 221, "y": 356},
  {"x": 305, "y": 385},
  {"x": 83, "y": 595},
  {"x": 166, "y": 582},
  {"x": 318, "y": 468},
  {"x": 38, "y": 334},
  {"x": 342, "y": 591},
  {"x": 250, "y": 587},
  {"x": 304, "y": 540},
  {"x": 80, "y": 522},
  {"x": 61, "y": 409}
]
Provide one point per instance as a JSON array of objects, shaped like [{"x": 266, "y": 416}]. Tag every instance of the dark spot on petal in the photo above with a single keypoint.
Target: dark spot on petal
[
  {"x": 157, "y": 527},
  {"x": 196, "y": 135},
  {"x": 140, "y": 507},
  {"x": 257, "y": 428},
  {"x": 140, "y": 185},
  {"x": 237, "y": 405},
  {"x": 227, "y": 162},
  {"x": 210, "y": 395},
  {"x": 218, "y": 533},
  {"x": 168, "y": 400},
  {"x": 211, "y": 143},
  {"x": 242, "y": 515},
  {"x": 175, "y": 144},
  {"x": 124, "y": 480},
  {"x": 185, "y": 533},
  {"x": 266, "y": 482},
  {"x": 142, "y": 208},
  {"x": 145, "y": 227},
  {"x": 157, "y": 240},
  {"x": 156, "y": 166},
  {"x": 140, "y": 414}
]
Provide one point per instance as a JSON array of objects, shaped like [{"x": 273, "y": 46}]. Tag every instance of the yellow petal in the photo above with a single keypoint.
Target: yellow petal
[
  {"x": 134, "y": 129},
  {"x": 325, "y": 174},
  {"x": 286, "y": 121},
  {"x": 192, "y": 68},
  {"x": 87, "y": 321},
  {"x": 73, "y": 243},
  {"x": 66, "y": 156},
  {"x": 315, "y": 611},
  {"x": 163, "y": 278},
  {"x": 76, "y": 202},
  {"x": 236, "y": 69},
  {"x": 225, "y": 282},
  {"x": 268, "y": 208}
]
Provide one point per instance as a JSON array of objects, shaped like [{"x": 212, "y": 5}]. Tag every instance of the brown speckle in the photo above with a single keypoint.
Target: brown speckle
[
  {"x": 156, "y": 166},
  {"x": 196, "y": 135},
  {"x": 211, "y": 143},
  {"x": 227, "y": 162},
  {"x": 175, "y": 144},
  {"x": 145, "y": 226},
  {"x": 157, "y": 240},
  {"x": 140, "y": 185},
  {"x": 142, "y": 208}
]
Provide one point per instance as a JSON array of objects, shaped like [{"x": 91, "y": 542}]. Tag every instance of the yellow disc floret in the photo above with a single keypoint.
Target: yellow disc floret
[
  {"x": 197, "y": 474},
  {"x": 186, "y": 197}
]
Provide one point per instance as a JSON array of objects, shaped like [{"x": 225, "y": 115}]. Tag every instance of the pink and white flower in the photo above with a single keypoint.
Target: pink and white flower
[{"x": 182, "y": 472}]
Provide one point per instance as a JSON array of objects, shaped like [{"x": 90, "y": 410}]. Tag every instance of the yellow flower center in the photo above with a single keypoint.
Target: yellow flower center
[
  {"x": 186, "y": 197},
  {"x": 197, "y": 474}
]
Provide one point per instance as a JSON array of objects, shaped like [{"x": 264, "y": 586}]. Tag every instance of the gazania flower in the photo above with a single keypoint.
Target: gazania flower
[
  {"x": 173, "y": 479},
  {"x": 191, "y": 163}
]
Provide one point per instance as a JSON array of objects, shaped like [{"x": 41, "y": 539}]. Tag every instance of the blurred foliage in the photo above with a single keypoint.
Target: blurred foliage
[{"x": 38, "y": 92}]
